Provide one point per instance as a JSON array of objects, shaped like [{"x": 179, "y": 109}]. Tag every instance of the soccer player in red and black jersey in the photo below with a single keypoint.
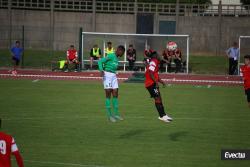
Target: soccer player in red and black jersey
[
  {"x": 152, "y": 85},
  {"x": 72, "y": 58},
  {"x": 245, "y": 70},
  {"x": 8, "y": 147}
]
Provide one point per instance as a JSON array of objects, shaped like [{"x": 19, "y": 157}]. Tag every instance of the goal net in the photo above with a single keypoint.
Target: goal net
[
  {"x": 140, "y": 42},
  {"x": 244, "y": 48}
]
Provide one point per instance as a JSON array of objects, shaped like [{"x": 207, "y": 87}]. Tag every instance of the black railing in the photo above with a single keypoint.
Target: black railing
[{"x": 128, "y": 7}]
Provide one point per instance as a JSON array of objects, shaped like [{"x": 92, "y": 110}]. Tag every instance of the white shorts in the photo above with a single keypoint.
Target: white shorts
[{"x": 110, "y": 80}]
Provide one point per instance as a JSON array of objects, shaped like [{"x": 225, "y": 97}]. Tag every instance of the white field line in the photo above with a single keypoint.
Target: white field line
[
  {"x": 120, "y": 78},
  {"x": 128, "y": 117},
  {"x": 61, "y": 163}
]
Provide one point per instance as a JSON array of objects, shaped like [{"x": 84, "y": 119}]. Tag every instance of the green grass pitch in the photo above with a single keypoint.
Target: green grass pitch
[{"x": 63, "y": 123}]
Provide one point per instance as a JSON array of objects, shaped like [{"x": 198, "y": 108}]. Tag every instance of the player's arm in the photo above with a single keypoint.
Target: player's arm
[
  {"x": 16, "y": 153},
  {"x": 100, "y": 64},
  {"x": 228, "y": 52},
  {"x": 100, "y": 52},
  {"x": 178, "y": 54},
  {"x": 76, "y": 54},
  {"x": 91, "y": 53},
  {"x": 68, "y": 56},
  {"x": 19, "y": 159},
  {"x": 12, "y": 51},
  {"x": 134, "y": 55}
]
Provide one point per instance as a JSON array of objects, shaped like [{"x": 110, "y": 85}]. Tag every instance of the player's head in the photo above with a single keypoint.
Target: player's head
[
  {"x": 109, "y": 44},
  {"x": 235, "y": 44},
  {"x": 154, "y": 54},
  {"x": 71, "y": 47},
  {"x": 130, "y": 46},
  {"x": 247, "y": 59},
  {"x": 17, "y": 43},
  {"x": 120, "y": 51},
  {"x": 95, "y": 46}
]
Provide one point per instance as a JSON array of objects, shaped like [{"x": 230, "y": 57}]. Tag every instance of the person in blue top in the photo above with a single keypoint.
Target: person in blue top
[{"x": 16, "y": 52}]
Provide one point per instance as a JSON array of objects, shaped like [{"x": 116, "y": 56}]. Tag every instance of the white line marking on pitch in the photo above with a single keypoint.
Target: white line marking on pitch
[
  {"x": 128, "y": 117},
  {"x": 84, "y": 77},
  {"x": 61, "y": 163},
  {"x": 36, "y": 80}
]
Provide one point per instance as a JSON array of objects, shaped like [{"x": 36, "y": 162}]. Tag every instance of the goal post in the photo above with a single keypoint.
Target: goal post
[
  {"x": 244, "y": 49},
  {"x": 156, "y": 42}
]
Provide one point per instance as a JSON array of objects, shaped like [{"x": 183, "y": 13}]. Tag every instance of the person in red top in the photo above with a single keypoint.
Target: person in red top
[
  {"x": 147, "y": 52},
  {"x": 8, "y": 147},
  {"x": 152, "y": 81},
  {"x": 72, "y": 58},
  {"x": 172, "y": 53},
  {"x": 245, "y": 70}
]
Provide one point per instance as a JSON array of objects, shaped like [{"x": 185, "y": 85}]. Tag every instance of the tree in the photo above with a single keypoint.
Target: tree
[{"x": 245, "y": 2}]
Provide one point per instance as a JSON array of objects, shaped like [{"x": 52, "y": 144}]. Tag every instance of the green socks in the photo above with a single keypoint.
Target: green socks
[
  {"x": 115, "y": 106},
  {"x": 108, "y": 108}
]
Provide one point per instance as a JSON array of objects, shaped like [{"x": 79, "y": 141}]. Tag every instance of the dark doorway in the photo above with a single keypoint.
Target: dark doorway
[{"x": 145, "y": 23}]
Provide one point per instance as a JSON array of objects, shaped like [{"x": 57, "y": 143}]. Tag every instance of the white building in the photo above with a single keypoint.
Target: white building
[
  {"x": 226, "y": 2},
  {"x": 229, "y": 7}
]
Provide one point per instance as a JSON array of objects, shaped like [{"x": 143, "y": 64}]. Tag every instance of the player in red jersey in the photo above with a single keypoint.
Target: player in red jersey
[
  {"x": 8, "y": 147},
  {"x": 245, "y": 70},
  {"x": 152, "y": 85},
  {"x": 72, "y": 58}
]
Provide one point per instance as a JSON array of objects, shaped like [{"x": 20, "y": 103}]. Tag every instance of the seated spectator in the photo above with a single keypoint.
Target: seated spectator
[
  {"x": 172, "y": 53},
  {"x": 131, "y": 57},
  {"x": 178, "y": 60},
  {"x": 16, "y": 52},
  {"x": 95, "y": 54},
  {"x": 72, "y": 58},
  {"x": 166, "y": 58},
  {"x": 109, "y": 49}
]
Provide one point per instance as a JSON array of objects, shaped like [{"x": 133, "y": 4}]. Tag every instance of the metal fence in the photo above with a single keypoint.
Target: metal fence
[{"x": 127, "y": 7}]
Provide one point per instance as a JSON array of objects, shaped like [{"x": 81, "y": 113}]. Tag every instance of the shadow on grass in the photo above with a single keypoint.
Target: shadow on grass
[
  {"x": 132, "y": 133},
  {"x": 177, "y": 135}
]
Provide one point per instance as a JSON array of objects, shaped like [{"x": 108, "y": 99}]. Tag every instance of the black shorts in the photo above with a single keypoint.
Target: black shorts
[
  {"x": 154, "y": 91},
  {"x": 248, "y": 94},
  {"x": 16, "y": 60},
  {"x": 95, "y": 58}
]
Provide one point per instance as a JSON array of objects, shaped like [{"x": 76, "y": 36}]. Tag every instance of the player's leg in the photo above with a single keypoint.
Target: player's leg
[
  {"x": 107, "y": 82},
  {"x": 230, "y": 70},
  {"x": 66, "y": 66},
  {"x": 248, "y": 96},
  {"x": 91, "y": 62},
  {"x": 115, "y": 104},
  {"x": 160, "y": 108},
  {"x": 155, "y": 93},
  {"x": 15, "y": 65},
  {"x": 177, "y": 65},
  {"x": 76, "y": 62},
  {"x": 115, "y": 97}
]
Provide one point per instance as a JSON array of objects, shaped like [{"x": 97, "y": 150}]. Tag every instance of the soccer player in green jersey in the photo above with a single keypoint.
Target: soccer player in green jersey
[{"x": 108, "y": 67}]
